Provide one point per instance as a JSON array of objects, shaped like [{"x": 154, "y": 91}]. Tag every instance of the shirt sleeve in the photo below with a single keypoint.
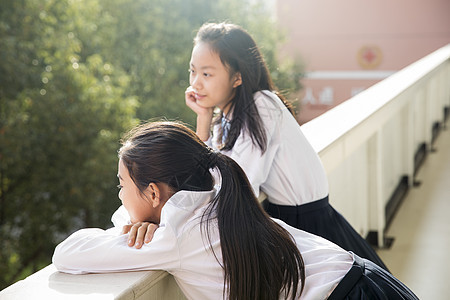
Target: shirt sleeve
[
  {"x": 120, "y": 217},
  {"x": 95, "y": 250},
  {"x": 252, "y": 160},
  {"x": 208, "y": 142}
]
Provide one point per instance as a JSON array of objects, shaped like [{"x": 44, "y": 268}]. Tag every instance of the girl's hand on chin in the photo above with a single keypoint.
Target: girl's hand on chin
[
  {"x": 139, "y": 233},
  {"x": 192, "y": 103}
]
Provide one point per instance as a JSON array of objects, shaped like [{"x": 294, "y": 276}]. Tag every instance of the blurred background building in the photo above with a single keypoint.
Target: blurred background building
[{"x": 347, "y": 46}]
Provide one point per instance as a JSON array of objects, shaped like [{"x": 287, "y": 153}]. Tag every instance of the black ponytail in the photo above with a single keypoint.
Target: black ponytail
[{"x": 260, "y": 259}]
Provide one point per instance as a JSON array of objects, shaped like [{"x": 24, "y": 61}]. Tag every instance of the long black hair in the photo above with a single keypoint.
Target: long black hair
[
  {"x": 238, "y": 51},
  {"x": 260, "y": 259}
]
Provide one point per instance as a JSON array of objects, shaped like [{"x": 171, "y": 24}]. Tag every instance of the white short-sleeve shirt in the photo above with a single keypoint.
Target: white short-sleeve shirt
[{"x": 289, "y": 172}]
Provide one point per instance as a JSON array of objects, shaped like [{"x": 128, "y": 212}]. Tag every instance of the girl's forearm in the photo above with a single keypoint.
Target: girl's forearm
[{"x": 204, "y": 126}]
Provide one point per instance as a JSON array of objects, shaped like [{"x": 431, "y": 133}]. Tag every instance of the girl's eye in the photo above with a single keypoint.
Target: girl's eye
[
  {"x": 119, "y": 186},
  {"x": 191, "y": 71},
  {"x": 206, "y": 74}
]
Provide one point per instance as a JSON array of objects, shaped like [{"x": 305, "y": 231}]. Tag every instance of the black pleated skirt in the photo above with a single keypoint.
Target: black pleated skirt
[
  {"x": 321, "y": 219},
  {"x": 365, "y": 280}
]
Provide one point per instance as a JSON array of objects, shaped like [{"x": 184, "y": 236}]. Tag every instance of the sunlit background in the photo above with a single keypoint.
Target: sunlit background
[{"x": 76, "y": 74}]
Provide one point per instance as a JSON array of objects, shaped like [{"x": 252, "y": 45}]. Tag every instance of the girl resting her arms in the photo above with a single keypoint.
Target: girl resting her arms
[
  {"x": 256, "y": 128},
  {"x": 217, "y": 245}
]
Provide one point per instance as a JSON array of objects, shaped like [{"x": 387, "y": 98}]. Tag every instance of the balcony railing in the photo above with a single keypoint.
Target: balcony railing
[{"x": 371, "y": 146}]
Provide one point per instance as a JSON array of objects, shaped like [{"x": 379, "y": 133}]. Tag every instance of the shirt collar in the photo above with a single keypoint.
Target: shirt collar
[{"x": 190, "y": 200}]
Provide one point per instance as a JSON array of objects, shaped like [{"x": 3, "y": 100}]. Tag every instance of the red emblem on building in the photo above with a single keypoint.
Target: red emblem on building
[{"x": 369, "y": 57}]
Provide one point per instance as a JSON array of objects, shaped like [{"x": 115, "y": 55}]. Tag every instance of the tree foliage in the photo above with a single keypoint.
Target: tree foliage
[
  {"x": 76, "y": 74},
  {"x": 62, "y": 113},
  {"x": 153, "y": 44}
]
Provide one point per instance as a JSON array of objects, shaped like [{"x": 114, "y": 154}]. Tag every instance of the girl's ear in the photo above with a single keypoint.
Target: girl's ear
[
  {"x": 154, "y": 194},
  {"x": 237, "y": 79}
]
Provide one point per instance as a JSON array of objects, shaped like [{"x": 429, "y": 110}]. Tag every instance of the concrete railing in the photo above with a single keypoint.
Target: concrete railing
[
  {"x": 370, "y": 146},
  {"x": 48, "y": 284}
]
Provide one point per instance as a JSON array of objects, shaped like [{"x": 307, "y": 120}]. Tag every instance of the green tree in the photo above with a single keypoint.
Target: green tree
[
  {"x": 153, "y": 44},
  {"x": 62, "y": 114}
]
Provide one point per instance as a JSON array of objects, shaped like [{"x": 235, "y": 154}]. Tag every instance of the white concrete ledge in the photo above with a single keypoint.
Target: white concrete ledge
[
  {"x": 48, "y": 284},
  {"x": 350, "y": 75}
]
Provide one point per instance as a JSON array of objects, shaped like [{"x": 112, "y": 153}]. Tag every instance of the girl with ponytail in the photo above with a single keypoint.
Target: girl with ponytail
[{"x": 217, "y": 244}]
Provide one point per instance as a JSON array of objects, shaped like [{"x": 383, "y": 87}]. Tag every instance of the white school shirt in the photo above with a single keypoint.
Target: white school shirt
[
  {"x": 178, "y": 248},
  {"x": 289, "y": 172}
]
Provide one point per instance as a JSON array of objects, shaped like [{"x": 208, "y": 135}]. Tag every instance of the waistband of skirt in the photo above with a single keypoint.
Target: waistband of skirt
[
  {"x": 350, "y": 279},
  {"x": 299, "y": 209}
]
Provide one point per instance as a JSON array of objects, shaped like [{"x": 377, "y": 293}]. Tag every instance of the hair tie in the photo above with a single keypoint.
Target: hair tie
[{"x": 212, "y": 158}]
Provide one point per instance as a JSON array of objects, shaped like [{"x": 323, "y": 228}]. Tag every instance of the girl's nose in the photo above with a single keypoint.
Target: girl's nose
[{"x": 195, "y": 82}]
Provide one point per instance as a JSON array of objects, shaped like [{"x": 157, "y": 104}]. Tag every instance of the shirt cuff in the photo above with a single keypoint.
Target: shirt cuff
[{"x": 120, "y": 217}]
